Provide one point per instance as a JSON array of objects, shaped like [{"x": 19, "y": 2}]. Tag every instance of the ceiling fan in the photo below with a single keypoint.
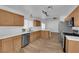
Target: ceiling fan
[{"x": 44, "y": 12}]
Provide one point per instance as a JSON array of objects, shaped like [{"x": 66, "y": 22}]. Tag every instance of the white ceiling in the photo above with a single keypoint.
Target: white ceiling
[{"x": 36, "y": 10}]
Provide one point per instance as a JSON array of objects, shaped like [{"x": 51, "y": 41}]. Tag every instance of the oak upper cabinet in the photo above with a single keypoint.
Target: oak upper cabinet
[
  {"x": 36, "y": 23},
  {"x": 76, "y": 17},
  {"x": 10, "y": 19},
  {"x": 75, "y": 14},
  {"x": 18, "y": 20},
  {"x": 6, "y": 18}
]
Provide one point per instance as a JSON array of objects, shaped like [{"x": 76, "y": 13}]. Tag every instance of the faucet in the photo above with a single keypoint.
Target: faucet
[{"x": 30, "y": 29}]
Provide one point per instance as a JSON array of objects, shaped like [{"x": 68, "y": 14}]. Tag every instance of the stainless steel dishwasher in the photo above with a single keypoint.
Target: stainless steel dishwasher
[{"x": 25, "y": 39}]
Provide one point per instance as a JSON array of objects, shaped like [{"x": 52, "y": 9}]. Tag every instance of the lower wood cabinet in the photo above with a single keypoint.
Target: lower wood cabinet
[
  {"x": 38, "y": 35},
  {"x": 72, "y": 46},
  {"x": 34, "y": 36},
  {"x": 17, "y": 43},
  {"x": 45, "y": 34},
  {"x": 12, "y": 44},
  {"x": 7, "y": 45}
]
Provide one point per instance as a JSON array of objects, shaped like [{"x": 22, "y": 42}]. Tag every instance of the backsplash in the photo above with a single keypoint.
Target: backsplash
[
  {"x": 75, "y": 28},
  {"x": 68, "y": 29},
  {"x": 8, "y": 30}
]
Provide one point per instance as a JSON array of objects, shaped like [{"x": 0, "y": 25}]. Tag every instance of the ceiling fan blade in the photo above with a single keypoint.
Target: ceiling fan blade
[{"x": 44, "y": 12}]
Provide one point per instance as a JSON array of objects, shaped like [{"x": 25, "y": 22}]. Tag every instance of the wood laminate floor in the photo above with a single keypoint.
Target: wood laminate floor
[{"x": 51, "y": 45}]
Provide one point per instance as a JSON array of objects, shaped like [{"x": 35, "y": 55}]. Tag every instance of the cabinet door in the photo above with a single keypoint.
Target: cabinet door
[
  {"x": 45, "y": 34},
  {"x": 34, "y": 36},
  {"x": 66, "y": 49},
  {"x": 38, "y": 34},
  {"x": 12, "y": 44},
  {"x": 7, "y": 45},
  {"x": 17, "y": 43},
  {"x": 77, "y": 17},
  {"x": 36, "y": 23},
  {"x": 6, "y": 18},
  {"x": 73, "y": 46},
  {"x": 76, "y": 21},
  {"x": 19, "y": 20},
  {"x": 10, "y": 19}
]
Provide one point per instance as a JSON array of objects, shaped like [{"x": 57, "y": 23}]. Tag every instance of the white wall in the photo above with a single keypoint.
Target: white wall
[
  {"x": 28, "y": 23},
  {"x": 52, "y": 25},
  {"x": 62, "y": 18}
]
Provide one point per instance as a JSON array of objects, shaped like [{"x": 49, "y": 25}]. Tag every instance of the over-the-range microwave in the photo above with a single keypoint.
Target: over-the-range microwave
[{"x": 70, "y": 22}]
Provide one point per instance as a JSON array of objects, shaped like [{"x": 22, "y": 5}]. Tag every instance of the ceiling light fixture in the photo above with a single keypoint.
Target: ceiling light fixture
[{"x": 50, "y": 7}]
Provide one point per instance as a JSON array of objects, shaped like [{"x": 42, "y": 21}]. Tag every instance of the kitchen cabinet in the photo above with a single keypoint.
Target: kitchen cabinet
[
  {"x": 10, "y": 19},
  {"x": 17, "y": 43},
  {"x": 34, "y": 36},
  {"x": 72, "y": 46},
  {"x": 42, "y": 34},
  {"x": 12, "y": 44},
  {"x": 18, "y": 20},
  {"x": 76, "y": 17},
  {"x": 7, "y": 45},
  {"x": 36, "y": 23},
  {"x": 45, "y": 34},
  {"x": 75, "y": 14}
]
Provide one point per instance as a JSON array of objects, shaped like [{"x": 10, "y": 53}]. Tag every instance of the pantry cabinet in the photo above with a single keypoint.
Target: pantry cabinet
[{"x": 10, "y": 19}]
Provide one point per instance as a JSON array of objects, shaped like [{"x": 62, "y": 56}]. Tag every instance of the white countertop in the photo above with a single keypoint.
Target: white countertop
[
  {"x": 11, "y": 33},
  {"x": 74, "y": 38}
]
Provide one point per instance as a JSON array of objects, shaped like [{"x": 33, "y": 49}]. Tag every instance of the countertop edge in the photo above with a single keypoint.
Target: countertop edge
[
  {"x": 74, "y": 38},
  {"x": 16, "y": 34}
]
